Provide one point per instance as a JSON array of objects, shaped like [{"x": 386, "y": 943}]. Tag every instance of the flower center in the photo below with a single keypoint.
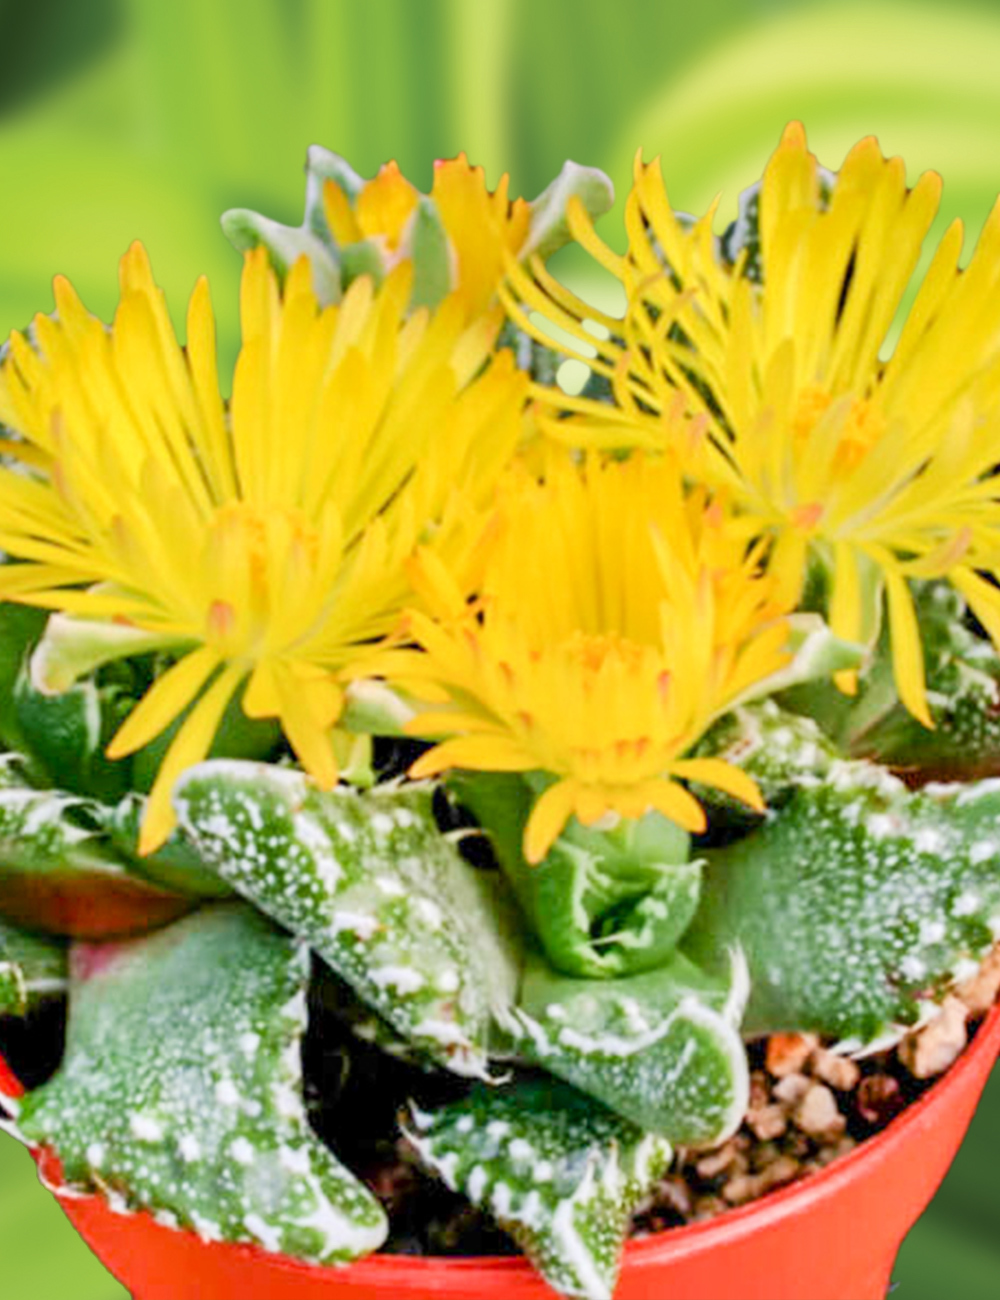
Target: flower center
[
  {"x": 860, "y": 430},
  {"x": 253, "y": 553},
  {"x": 592, "y": 651}
]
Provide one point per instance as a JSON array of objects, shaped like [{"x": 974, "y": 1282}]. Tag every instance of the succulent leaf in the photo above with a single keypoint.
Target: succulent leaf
[
  {"x": 858, "y": 902},
  {"x": 364, "y": 257},
  {"x": 962, "y": 672},
  {"x": 815, "y": 654},
  {"x": 603, "y": 903},
  {"x": 374, "y": 708},
  {"x": 285, "y": 245},
  {"x": 324, "y": 165},
  {"x": 180, "y": 1092},
  {"x": 427, "y": 244},
  {"x": 62, "y": 730},
  {"x": 661, "y": 1049},
  {"x": 20, "y": 628},
  {"x": 175, "y": 866},
  {"x": 337, "y": 998},
  {"x": 59, "y": 872},
  {"x": 377, "y": 891},
  {"x": 66, "y": 735},
  {"x": 963, "y": 687},
  {"x": 549, "y": 230},
  {"x": 32, "y": 969},
  {"x": 779, "y": 749},
  {"x": 71, "y": 649},
  {"x": 559, "y": 1172}
]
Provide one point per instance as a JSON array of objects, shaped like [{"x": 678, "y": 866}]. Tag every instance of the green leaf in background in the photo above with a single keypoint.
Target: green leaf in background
[{"x": 31, "y": 969}]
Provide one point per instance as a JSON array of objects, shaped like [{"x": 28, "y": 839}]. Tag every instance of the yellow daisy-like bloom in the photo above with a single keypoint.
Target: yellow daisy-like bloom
[
  {"x": 265, "y": 544},
  {"x": 482, "y": 226},
  {"x": 618, "y": 618},
  {"x": 882, "y": 470}
]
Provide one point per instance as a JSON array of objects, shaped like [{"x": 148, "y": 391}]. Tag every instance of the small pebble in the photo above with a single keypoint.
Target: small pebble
[
  {"x": 939, "y": 1043},
  {"x": 879, "y": 1098},
  {"x": 676, "y": 1193},
  {"x": 792, "y": 1088},
  {"x": 760, "y": 1090},
  {"x": 707, "y": 1207},
  {"x": 788, "y": 1053},
  {"x": 834, "y": 1150},
  {"x": 840, "y": 1072},
  {"x": 717, "y": 1162},
  {"x": 980, "y": 992},
  {"x": 762, "y": 1155},
  {"x": 747, "y": 1187},
  {"x": 767, "y": 1122},
  {"x": 817, "y": 1113}
]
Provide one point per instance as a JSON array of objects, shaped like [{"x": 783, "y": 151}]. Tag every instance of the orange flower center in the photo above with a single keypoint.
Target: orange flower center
[{"x": 862, "y": 428}]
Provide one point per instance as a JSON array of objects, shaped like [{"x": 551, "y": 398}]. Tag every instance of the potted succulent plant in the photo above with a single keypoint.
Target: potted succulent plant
[{"x": 435, "y": 792}]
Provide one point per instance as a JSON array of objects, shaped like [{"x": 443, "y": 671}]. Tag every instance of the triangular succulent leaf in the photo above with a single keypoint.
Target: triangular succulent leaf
[
  {"x": 59, "y": 872},
  {"x": 661, "y": 1049},
  {"x": 557, "y": 1170},
  {"x": 246, "y": 230},
  {"x": 858, "y": 902},
  {"x": 370, "y": 882},
  {"x": 181, "y": 1091}
]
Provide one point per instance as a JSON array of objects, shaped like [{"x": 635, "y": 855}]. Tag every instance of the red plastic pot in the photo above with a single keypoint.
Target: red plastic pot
[{"x": 833, "y": 1236}]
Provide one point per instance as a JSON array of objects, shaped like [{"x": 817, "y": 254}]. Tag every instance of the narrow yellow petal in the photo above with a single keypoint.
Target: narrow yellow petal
[
  {"x": 165, "y": 700},
  {"x": 907, "y": 650},
  {"x": 190, "y": 746},
  {"x": 262, "y": 698},
  {"x": 723, "y": 776},
  {"x": 550, "y": 814},
  {"x": 679, "y": 805},
  {"x": 312, "y": 742},
  {"x": 479, "y": 753}
]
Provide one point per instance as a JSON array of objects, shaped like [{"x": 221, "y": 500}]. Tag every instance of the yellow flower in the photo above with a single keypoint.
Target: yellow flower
[
  {"x": 883, "y": 470},
  {"x": 617, "y": 618},
  {"x": 265, "y": 544},
  {"x": 481, "y": 226}
]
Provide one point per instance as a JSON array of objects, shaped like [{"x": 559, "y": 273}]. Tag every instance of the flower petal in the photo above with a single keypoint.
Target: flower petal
[
  {"x": 189, "y": 746},
  {"x": 165, "y": 700}
]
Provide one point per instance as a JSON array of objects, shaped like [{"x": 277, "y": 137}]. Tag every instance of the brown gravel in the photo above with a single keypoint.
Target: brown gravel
[
  {"x": 840, "y": 1072},
  {"x": 809, "y": 1106},
  {"x": 980, "y": 992},
  {"x": 938, "y": 1045},
  {"x": 787, "y": 1053},
  {"x": 791, "y": 1089},
  {"x": 767, "y": 1122},
  {"x": 880, "y": 1099},
  {"x": 818, "y": 1114}
]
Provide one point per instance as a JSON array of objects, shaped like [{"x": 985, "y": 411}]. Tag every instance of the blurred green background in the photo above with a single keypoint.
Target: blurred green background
[{"x": 124, "y": 119}]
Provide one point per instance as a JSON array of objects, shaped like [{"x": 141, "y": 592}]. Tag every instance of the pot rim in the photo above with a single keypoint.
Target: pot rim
[{"x": 733, "y": 1224}]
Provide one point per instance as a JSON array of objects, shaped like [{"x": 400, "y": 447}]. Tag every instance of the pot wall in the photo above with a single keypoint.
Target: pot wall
[{"x": 833, "y": 1236}]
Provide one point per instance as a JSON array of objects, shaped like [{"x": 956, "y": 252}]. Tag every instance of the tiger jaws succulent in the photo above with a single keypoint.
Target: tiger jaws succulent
[{"x": 536, "y": 752}]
